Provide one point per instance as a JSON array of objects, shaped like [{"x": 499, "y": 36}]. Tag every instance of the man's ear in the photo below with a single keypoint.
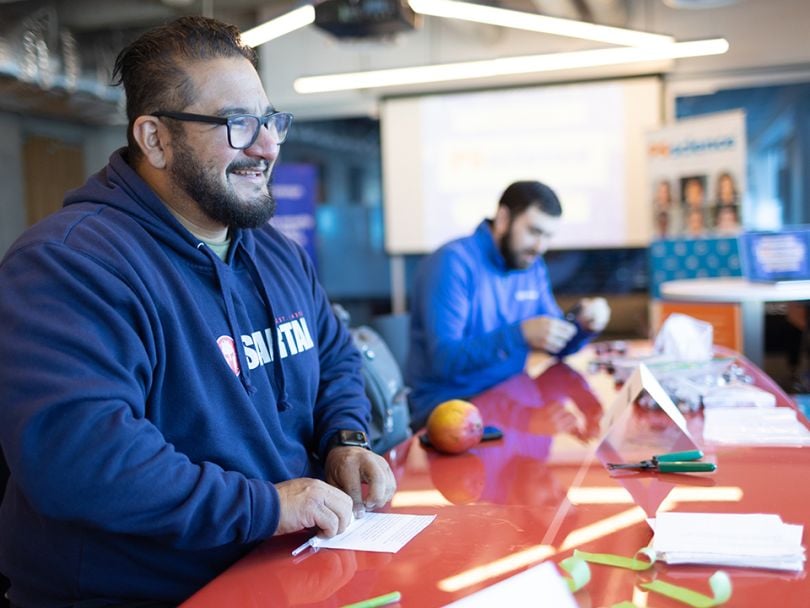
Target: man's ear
[
  {"x": 500, "y": 225},
  {"x": 152, "y": 137}
]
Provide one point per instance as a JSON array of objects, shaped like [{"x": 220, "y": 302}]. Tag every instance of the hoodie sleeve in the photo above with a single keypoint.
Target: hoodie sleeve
[
  {"x": 77, "y": 366},
  {"x": 580, "y": 339}
]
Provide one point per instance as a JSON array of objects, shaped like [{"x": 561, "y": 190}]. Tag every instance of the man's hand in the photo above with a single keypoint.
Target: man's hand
[
  {"x": 594, "y": 314},
  {"x": 547, "y": 333},
  {"x": 347, "y": 467},
  {"x": 312, "y": 503},
  {"x": 552, "y": 419}
]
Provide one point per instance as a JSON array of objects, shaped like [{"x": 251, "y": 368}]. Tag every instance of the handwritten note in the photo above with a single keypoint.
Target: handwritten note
[{"x": 380, "y": 532}]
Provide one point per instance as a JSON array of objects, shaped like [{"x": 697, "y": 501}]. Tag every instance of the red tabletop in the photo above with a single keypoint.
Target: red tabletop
[{"x": 535, "y": 495}]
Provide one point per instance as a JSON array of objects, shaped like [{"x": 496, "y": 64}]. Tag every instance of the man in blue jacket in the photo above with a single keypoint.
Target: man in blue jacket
[
  {"x": 175, "y": 387},
  {"x": 481, "y": 303}
]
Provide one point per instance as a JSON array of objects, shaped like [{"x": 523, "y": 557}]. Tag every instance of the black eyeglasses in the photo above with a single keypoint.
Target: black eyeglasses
[{"x": 243, "y": 129}]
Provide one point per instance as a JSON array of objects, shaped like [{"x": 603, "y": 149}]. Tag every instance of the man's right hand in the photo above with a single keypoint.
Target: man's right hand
[
  {"x": 547, "y": 333},
  {"x": 312, "y": 503}
]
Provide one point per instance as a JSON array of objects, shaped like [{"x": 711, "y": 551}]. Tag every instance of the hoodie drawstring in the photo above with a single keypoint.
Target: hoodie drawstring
[
  {"x": 278, "y": 370},
  {"x": 244, "y": 375}
]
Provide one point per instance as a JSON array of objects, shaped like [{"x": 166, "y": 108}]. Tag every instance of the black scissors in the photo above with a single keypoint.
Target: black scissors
[{"x": 674, "y": 462}]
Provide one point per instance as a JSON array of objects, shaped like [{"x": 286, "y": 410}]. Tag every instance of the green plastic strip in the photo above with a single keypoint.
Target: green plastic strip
[
  {"x": 719, "y": 583},
  {"x": 579, "y": 570},
  {"x": 624, "y": 604},
  {"x": 646, "y": 554}
]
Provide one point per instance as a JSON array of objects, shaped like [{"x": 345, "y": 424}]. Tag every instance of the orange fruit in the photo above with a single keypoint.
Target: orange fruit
[{"x": 454, "y": 426}]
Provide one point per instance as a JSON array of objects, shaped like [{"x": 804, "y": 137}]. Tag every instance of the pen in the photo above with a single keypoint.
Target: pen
[
  {"x": 314, "y": 542},
  {"x": 374, "y": 602},
  {"x": 310, "y": 543}
]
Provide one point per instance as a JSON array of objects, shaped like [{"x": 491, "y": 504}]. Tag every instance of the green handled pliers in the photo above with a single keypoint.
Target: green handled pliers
[{"x": 674, "y": 462}]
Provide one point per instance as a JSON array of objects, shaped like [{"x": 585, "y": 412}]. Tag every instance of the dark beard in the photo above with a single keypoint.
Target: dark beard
[
  {"x": 512, "y": 262},
  {"x": 213, "y": 199}
]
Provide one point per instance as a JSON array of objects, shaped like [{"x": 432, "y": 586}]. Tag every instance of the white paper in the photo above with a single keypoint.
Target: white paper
[
  {"x": 754, "y": 540},
  {"x": 777, "y": 426},
  {"x": 738, "y": 395},
  {"x": 380, "y": 532},
  {"x": 543, "y": 584}
]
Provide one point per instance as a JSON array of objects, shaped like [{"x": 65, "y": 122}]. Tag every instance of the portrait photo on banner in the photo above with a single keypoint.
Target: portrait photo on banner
[{"x": 696, "y": 172}]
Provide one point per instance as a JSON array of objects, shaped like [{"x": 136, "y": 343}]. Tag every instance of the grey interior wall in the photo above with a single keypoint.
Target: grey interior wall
[
  {"x": 12, "y": 207},
  {"x": 99, "y": 143}
]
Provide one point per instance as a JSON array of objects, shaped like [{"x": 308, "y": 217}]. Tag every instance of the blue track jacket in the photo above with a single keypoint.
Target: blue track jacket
[
  {"x": 466, "y": 310},
  {"x": 151, "y": 394}
]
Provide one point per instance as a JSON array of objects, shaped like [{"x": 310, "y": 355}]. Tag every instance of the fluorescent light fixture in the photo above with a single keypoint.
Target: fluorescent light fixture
[
  {"x": 526, "y": 64},
  {"x": 479, "y": 13},
  {"x": 286, "y": 23}
]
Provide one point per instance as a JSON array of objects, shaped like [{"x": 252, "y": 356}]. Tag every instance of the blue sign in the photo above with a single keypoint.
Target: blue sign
[
  {"x": 293, "y": 188},
  {"x": 776, "y": 256}
]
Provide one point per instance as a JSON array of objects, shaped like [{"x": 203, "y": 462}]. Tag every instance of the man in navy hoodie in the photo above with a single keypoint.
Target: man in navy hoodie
[
  {"x": 175, "y": 387},
  {"x": 480, "y": 304}
]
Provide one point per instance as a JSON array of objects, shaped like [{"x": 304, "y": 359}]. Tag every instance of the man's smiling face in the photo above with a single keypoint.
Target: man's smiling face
[{"x": 231, "y": 187}]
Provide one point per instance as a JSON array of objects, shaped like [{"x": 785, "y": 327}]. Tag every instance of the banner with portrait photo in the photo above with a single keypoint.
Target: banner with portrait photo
[{"x": 696, "y": 172}]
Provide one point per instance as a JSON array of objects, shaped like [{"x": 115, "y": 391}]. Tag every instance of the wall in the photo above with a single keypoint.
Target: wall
[{"x": 12, "y": 206}]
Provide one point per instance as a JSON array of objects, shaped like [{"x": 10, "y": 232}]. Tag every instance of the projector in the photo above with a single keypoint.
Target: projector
[{"x": 364, "y": 18}]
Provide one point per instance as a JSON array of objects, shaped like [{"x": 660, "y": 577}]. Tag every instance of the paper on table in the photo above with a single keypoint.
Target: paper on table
[
  {"x": 754, "y": 426},
  {"x": 737, "y": 395},
  {"x": 541, "y": 581},
  {"x": 755, "y": 540},
  {"x": 380, "y": 532}
]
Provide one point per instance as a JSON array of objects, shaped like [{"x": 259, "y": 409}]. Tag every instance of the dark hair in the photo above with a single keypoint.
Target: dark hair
[
  {"x": 725, "y": 175},
  {"x": 151, "y": 68},
  {"x": 520, "y": 195}
]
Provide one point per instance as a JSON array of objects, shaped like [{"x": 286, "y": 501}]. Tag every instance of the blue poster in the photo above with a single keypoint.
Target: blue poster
[
  {"x": 293, "y": 188},
  {"x": 776, "y": 256}
]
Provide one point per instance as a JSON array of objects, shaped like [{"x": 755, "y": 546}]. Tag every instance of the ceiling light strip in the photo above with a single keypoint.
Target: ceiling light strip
[
  {"x": 505, "y": 66},
  {"x": 479, "y": 13},
  {"x": 275, "y": 28}
]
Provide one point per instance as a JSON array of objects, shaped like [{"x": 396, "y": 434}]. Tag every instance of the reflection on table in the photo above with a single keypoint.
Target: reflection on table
[{"x": 537, "y": 494}]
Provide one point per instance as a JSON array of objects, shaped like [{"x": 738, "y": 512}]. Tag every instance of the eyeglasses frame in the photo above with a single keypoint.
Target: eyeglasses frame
[{"x": 227, "y": 120}]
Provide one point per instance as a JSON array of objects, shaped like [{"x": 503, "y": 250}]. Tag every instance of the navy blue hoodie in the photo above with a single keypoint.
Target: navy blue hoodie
[{"x": 150, "y": 394}]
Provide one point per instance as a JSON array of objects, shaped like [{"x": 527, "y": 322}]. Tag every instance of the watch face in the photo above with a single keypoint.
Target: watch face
[{"x": 357, "y": 438}]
